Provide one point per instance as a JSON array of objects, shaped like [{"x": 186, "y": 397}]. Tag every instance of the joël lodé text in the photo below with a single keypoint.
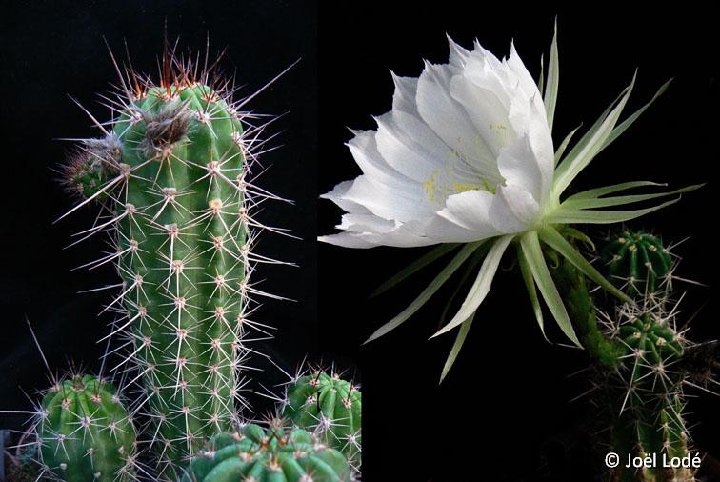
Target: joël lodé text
[{"x": 652, "y": 460}]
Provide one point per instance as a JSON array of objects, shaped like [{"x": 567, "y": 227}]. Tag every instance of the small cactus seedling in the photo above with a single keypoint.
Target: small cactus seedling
[
  {"x": 85, "y": 433},
  {"x": 638, "y": 262},
  {"x": 172, "y": 173},
  {"x": 277, "y": 455},
  {"x": 330, "y": 407}
]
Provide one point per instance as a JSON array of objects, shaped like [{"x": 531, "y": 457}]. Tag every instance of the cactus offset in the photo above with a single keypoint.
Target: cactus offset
[
  {"x": 330, "y": 407},
  {"x": 638, "y": 262},
  {"x": 640, "y": 357},
  {"x": 171, "y": 172},
  {"x": 645, "y": 394},
  {"x": 275, "y": 455},
  {"x": 85, "y": 433}
]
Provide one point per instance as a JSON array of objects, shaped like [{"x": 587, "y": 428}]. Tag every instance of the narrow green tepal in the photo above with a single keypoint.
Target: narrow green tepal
[
  {"x": 171, "y": 173},
  {"x": 331, "y": 408},
  {"x": 85, "y": 433},
  {"x": 275, "y": 455}
]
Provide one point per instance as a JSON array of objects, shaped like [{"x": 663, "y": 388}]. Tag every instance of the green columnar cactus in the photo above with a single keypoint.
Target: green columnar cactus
[
  {"x": 639, "y": 360},
  {"x": 648, "y": 387},
  {"x": 330, "y": 407},
  {"x": 171, "y": 171},
  {"x": 638, "y": 262},
  {"x": 275, "y": 455},
  {"x": 85, "y": 433}
]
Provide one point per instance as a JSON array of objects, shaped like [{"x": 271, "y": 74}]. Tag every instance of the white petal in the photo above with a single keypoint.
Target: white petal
[
  {"x": 347, "y": 240},
  {"x": 404, "y": 95},
  {"x": 444, "y": 230},
  {"x": 451, "y": 122},
  {"x": 527, "y": 116},
  {"x": 389, "y": 202},
  {"x": 383, "y": 190},
  {"x": 526, "y": 82},
  {"x": 513, "y": 210},
  {"x": 458, "y": 55},
  {"x": 364, "y": 151},
  {"x": 365, "y": 222},
  {"x": 520, "y": 167},
  {"x": 486, "y": 72},
  {"x": 404, "y": 236},
  {"x": 337, "y": 195},
  {"x": 489, "y": 116},
  {"x": 471, "y": 211},
  {"x": 409, "y": 146}
]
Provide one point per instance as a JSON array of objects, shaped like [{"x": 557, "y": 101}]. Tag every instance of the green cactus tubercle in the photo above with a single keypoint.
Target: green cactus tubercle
[
  {"x": 331, "y": 408},
  {"x": 275, "y": 455},
  {"x": 85, "y": 432}
]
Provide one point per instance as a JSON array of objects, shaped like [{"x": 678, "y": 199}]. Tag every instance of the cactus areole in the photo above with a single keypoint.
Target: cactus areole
[{"x": 171, "y": 172}]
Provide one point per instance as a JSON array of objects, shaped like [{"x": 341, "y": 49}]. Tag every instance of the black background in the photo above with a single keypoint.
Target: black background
[{"x": 503, "y": 413}]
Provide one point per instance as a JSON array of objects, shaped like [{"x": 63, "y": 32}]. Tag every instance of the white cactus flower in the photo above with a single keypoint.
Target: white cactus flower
[{"x": 466, "y": 156}]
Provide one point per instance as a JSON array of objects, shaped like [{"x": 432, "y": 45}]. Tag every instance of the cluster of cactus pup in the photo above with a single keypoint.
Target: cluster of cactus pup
[{"x": 640, "y": 355}]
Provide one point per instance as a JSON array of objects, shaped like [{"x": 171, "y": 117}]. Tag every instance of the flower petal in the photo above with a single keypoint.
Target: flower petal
[
  {"x": 414, "y": 267},
  {"x": 409, "y": 146},
  {"x": 423, "y": 298},
  {"x": 553, "y": 80},
  {"x": 525, "y": 81},
  {"x": 513, "y": 210},
  {"x": 449, "y": 120},
  {"x": 403, "y": 236},
  {"x": 530, "y": 245},
  {"x": 532, "y": 292},
  {"x": 457, "y": 346},
  {"x": 481, "y": 286},
  {"x": 383, "y": 190},
  {"x": 337, "y": 195},
  {"x": 522, "y": 169},
  {"x": 404, "y": 95},
  {"x": 470, "y": 210},
  {"x": 365, "y": 222},
  {"x": 347, "y": 240},
  {"x": 458, "y": 55}
]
